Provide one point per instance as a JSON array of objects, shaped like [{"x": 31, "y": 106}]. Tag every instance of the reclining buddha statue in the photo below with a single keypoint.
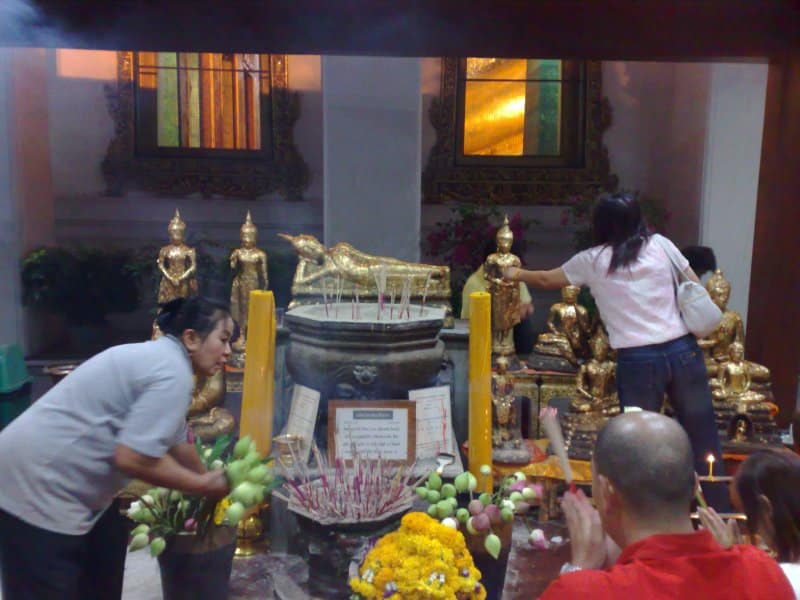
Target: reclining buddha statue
[{"x": 342, "y": 269}]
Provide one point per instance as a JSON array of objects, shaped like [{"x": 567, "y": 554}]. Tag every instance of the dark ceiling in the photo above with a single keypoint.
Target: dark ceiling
[{"x": 632, "y": 29}]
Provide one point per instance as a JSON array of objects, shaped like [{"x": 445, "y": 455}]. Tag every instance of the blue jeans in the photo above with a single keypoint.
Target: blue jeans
[{"x": 677, "y": 368}]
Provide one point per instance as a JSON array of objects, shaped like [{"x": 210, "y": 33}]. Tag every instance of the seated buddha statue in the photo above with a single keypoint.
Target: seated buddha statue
[
  {"x": 730, "y": 330},
  {"x": 343, "y": 270},
  {"x": 504, "y": 293},
  {"x": 177, "y": 264},
  {"x": 732, "y": 383},
  {"x": 205, "y": 417},
  {"x": 596, "y": 381},
  {"x": 570, "y": 327}
]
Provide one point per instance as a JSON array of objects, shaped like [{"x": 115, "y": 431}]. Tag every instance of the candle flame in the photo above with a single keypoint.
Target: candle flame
[{"x": 710, "y": 458}]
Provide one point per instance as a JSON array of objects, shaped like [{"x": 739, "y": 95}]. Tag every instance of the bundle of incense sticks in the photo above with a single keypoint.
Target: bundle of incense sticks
[{"x": 548, "y": 417}]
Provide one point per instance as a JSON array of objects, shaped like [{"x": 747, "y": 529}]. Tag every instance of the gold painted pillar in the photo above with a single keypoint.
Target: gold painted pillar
[
  {"x": 259, "y": 371},
  {"x": 480, "y": 386}
]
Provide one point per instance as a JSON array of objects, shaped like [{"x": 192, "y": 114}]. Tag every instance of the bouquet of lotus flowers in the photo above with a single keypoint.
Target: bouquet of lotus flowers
[
  {"x": 423, "y": 559},
  {"x": 161, "y": 513},
  {"x": 481, "y": 512}
]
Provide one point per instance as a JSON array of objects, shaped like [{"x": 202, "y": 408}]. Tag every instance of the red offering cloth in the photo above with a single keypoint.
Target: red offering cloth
[{"x": 680, "y": 566}]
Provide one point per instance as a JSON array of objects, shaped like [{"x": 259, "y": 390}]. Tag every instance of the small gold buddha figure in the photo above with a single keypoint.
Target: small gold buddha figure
[
  {"x": 249, "y": 265},
  {"x": 507, "y": 443},
  {"x": 205, "y": 418},
  {"x": 177, "y": 263},
  {"x": 730, "y": 329},
  {"x": 740, "y": 430},
  {"x": 505, "y": 294},
  {"x": 733, "y": 380},
  {"x": 570, "y": 327},
  {"x": 596, "y": 381}
]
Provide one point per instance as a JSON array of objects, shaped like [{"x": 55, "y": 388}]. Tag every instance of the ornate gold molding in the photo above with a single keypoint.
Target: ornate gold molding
[
  {"x": 445, "y": 180},
  {"x": 284, "y": 171}
]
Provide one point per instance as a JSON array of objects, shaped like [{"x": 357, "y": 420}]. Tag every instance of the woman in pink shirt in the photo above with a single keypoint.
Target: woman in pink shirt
[{"x": 630, "y": 277}]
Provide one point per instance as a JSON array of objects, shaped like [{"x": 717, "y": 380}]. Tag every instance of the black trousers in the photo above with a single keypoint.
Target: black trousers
[{"x": 39, "y": 564}]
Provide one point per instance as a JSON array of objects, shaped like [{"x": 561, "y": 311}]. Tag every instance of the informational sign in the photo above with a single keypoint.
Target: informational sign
[
  {"x": 434, "y": 422},
  {"x": 372, "y": 429},
  {"x": 303, "y": 417}
]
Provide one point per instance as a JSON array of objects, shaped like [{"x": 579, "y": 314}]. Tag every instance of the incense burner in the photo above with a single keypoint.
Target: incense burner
[{"x": 349, "y": 351}]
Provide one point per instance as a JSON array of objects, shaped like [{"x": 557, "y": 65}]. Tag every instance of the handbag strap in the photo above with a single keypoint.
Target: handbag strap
[{"x": 677, "y": 275}]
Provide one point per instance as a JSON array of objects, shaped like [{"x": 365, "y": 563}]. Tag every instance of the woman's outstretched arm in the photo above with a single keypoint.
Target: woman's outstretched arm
[{"x": 553, "y": 279}]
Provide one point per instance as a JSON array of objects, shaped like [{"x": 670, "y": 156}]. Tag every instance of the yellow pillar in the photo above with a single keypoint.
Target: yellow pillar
[
  {"x": 480, "y": 386},
  {"x": 259, "y": 371}
]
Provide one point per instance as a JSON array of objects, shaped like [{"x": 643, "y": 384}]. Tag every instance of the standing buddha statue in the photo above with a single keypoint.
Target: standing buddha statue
[
  {"x": 249, "y": 265},
  {"x": 505, "y": 294},
  {"x": 177, "y": 263},
  {"x": 507, "y": 444}
]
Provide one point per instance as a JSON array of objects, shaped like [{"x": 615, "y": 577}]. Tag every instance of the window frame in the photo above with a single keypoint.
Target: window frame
[
  {"x": 449, "y": 176},
  {"x": 227, "y": 172}
]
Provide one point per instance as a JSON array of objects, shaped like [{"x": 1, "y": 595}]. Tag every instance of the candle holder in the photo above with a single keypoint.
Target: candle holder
[
  {"x": 715, "y": 478},
  {"x": 288, "y": 446}
]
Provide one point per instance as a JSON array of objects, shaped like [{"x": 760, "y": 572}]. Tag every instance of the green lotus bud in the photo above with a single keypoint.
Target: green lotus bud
[
  {"x": 216, "y": 464},
  {"x": 448, "y": 490},
  {"x": 506, "y": 514},
  {"x": 207, "y": 453},
  {"x": 434, "y": 481},
  {"x": 462, "y": 482},
  {"x": 157, "y": 546},
  {"x": 259, "y": 497},
  {"x": 138, "y": 542},
  {"x": 450, "y": 522},
  {"x": 236, "y": 472},
  {"x": 422, "y": 492},
  {"x": 492, "y": 545},
  {"x": 241, "y": 448},
  {"x": 529, "y": 494},
  {"x": 253, "y": 449},
  {"x": 161, "y": 493},
  {"x": 515, "y": 497},
  {"x": 486, "y": 470},
  {"x": 453, "y": 502},
  {"x": 462, "y": 514},
  {"x": 473, "y": 482},
  {"x": 485, "y": 498},
  {"x": 433, "y": 496},
  {"x": 141, "y": 528},
  {"x": 444, "y": 509},
  {"x": 244, "y": 493},
  {"x": 433, "y": 511},
  {"x": 148, "y": 499},
  {"x": 470, "y": 526},
  {"x": 258, "y": 474},
  {"x": 520, "y": 476},
  {"x": 175, "y": 496},
  {"x": 234, "y": 513}
]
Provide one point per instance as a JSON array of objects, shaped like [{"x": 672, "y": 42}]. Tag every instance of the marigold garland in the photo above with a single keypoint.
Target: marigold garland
[{"x": 423, "y": 560}]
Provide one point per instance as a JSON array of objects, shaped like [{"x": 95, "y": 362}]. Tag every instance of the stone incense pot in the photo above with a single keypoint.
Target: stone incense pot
[{"x": 349, "y": 353}]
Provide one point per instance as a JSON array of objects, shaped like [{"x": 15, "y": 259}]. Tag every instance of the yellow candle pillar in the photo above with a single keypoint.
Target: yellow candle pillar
[
  {"x": 259, "y": 371},
  {"x": 480, "y": 386}
]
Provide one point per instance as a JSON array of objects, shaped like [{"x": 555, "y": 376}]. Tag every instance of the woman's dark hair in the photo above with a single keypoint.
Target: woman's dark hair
[
  {"x": 195, "y": 312},
  {"x": 776, "y": 475},
  {"x": 617, "y": 222}
]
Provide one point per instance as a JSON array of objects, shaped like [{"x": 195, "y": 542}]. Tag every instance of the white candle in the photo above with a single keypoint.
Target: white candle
[{"x": 710, "y": 461}]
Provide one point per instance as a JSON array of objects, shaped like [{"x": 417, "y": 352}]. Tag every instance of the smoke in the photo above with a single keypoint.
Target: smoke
[{"x": 23, "y": 24}]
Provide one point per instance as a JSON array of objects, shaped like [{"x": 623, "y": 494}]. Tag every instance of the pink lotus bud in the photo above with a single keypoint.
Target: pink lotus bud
[
  {"x": 538, "y": 540},
  {"x": 190, "y": 524}
]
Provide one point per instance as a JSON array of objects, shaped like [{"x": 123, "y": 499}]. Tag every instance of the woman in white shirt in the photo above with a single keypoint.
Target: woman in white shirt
[{"x": 630, "y": 277}]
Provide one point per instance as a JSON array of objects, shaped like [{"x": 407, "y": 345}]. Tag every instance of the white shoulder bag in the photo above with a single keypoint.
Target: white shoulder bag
[{"x": 697, "y": 308}]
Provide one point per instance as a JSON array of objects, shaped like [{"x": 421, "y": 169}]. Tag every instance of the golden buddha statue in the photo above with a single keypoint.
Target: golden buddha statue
[
  {"x": 596, "y": 381},
  {"x": 505, "y": 294},
  {"x": 730, "y": 330},
  {"x": 733, "y": 380},
  {"x": 205, "y": 418},
  {"x": 342, "y": 269},
  {"x": 177, "y": 263},
  {"x": 570, "y": 326},
  {"x": 507, "y": 446},
  {"x": 249, "y": 265}
]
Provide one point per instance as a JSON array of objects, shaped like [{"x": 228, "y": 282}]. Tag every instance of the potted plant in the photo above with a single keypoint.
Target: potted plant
[{"x": 194, "y": 538}]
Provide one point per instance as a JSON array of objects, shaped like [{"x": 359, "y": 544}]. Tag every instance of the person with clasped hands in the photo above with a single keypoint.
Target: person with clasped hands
[
  {"x": 121, "y": 414},
  {"x": 643, "y": 482},
  {"x": 630, "y": 276}
]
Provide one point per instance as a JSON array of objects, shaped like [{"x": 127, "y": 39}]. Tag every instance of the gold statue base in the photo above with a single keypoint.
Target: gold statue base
[{"x": 250, "y": 538}]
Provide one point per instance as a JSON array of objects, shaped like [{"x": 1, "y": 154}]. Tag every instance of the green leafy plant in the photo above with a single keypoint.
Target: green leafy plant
[
  {"x": 162, "y": 513},
  {"x": 82, "y": 283}
]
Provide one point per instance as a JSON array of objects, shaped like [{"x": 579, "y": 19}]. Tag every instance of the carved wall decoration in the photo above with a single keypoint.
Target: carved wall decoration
[
  {"x": 283, "y": 170},
  {"x": 445, "y": 180}
]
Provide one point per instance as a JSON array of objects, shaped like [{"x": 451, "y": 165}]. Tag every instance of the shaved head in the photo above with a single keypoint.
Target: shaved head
[{"x": 648, "y": 459}]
